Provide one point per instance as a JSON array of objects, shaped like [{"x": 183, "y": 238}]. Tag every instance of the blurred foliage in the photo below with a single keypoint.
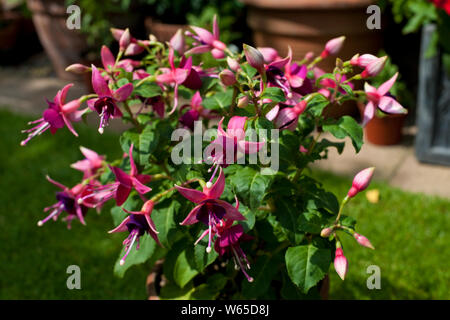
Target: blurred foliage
[{"x": 417, "y": 13}]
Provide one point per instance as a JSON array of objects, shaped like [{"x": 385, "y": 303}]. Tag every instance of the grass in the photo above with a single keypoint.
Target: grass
[
  {"x": 410, "y": 231},
  {"x": 34, "y": 260},
  {"x": 411, "y": 234}
]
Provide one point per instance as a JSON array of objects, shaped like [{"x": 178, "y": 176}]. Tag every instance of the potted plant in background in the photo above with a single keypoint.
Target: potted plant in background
[
  {"x": 66, "y": 46},
  {"x": 433, "y": 16},
  {"x": 385, "y": 128}
]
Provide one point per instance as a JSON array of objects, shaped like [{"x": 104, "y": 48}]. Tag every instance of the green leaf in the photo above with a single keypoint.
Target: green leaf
[
  {"x": 198, "y": 256},
  {"x": 172, "y": 292},
  {"x": 148, "y": 90},
  {"x": 248, "y": 70},
  {"x": 287, "y": 214},
  {"x": 148, "y": 141},
  {"x": 346, "y": 126},
  {"x": 262, "y": 271},
  {"x": 211, "y": 289},
  {"x": 251, "y": 185},
  {"x": 273, "y": 93},
  {"x": 163, "y": 216},
  {"x": 221, "y": 100},
  {"x": 307, "y": 265},
  {"x": 182, "y": 270},
  {"x": 316, "y": 105}
]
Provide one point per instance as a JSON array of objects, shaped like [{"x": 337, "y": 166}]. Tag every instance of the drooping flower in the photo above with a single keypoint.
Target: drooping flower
[
  {"x": 194, "y": 111},
  {"x": 58, "y": 114},
  {"x": 206, "y": 41},
  {"x": 363, "y": 241},
  {"x": 379, "y": 98},
  {"x": 68, "y": 201},
  {"x": 91, "y": 164},
  {"x": 137, "y": 224},
  {"x": 173, "y": 76},
  {"x": 209, "y": 210},
  {"x": 177, "y": 42},
  {"x": 361, "y": 181},
  {"x": 227, "y": 243},
  {"x": 287, "y": 118},
  {"x": 230, "y": 145},
  {"x": 340, "y": 263},
  {"x": 106, "y": 103},
  {"x": 122, "y": 187},
  {"x": 269, "y": 54},
  {"x": 363, "y": 60}
]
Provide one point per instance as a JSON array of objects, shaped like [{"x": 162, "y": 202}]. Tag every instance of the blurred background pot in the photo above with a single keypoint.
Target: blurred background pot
[
  {"x": 385, "y": 130},
  {"x": 63, "y": 45},
  {"x": 162, "y": 31}
]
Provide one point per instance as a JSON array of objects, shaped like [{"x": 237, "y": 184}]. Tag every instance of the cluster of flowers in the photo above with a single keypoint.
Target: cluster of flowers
[{"x": 299, "y": 82}]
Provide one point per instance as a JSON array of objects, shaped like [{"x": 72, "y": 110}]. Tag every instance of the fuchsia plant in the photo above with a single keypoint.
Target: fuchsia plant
[{"x": 198, "y": 213}]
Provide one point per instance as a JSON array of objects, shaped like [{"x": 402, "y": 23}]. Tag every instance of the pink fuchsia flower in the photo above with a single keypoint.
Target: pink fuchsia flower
[
  {"x": 230, "y": 145},
  {"x": 363, "y": 241},
  {"x": 233, "y": 64},
  {"x": 137, "y": 224},
  {"x": 333, "y": 46},
  {"x": 340, "y": 263},
  {"x": 91, "y": 164},
  {"x": 302, "y": 149},
  {"x": 228, "y": 242},
  {"x": 442, "y": 4},
  {"x": 122, "y": 187},
  {"x": 269, "y": 54},
  {"x": 106, "y": 103},
  {"x": 379, "y": 98},
  {"x": 209, "y": 210},
  {"x": 128, "y": 182},
  {"x": 78, "y": 68},
  {"x": 173, "y": 76},
  {"x": 134, "y": 46},
  {"x": 287, "y": 118},
  {"x": 329, "y": 85},
  {"x": 207, "y": 41},
  {"x": 193, "y": 80},
  {"x": 374, "y": 67},
  {"x": 58, "y": 114},
  {"x": 68, "y": 201},
  {"x": 195, "y": 111},
  {"x": 361, "y": 181},
  {"x": 110, "y": 65}
]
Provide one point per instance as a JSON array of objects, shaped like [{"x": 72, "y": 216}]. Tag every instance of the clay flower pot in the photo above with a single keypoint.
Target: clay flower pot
[
  {"x": 162, "y": 31},
  {"x": 306, "y": 25},
  {"x": 386, "y": 130},
  {"x": 62, "y": 45}
]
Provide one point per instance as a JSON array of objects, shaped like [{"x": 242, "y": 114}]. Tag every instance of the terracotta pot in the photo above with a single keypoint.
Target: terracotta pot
[
  {"x": 306, "y": 25},
  {"x": 384, "y": 131},
  {"x": 11, "y": 25},
  {"x": 162, "y": 31},
  {"x": 62, "y": 45}
]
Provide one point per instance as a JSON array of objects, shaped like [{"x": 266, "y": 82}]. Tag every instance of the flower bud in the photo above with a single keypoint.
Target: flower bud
[
  {"x": 374, "y": 67},
  {"x": 309, "y": 55},
  {"x": 340, "y": 263},
  {"x": 125, "y": 39},
  {"x": 362, "y": 61},
  {"x": 233, "y": 64},
  {"x": 254, "y": 57},
  {"x": 361, "y": 181},
  {"x": 326, "y": 232},
  {"x": 177, "y": 41},
  {"x": 78, "y": 68},
  {"x": 227, "y": 77},
  {"x": 363, "y": 241},
  {"x": 242, "y": 102},
  {"x": 333, "y": 46},
  {"x": 269, "y": 54}
]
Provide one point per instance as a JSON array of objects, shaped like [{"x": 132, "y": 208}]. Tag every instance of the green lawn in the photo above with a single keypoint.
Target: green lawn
[{"x": 410, "y": 231}]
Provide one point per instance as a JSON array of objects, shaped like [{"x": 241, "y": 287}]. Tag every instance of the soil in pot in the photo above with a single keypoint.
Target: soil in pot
[{"x": 162, "y": 31}]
